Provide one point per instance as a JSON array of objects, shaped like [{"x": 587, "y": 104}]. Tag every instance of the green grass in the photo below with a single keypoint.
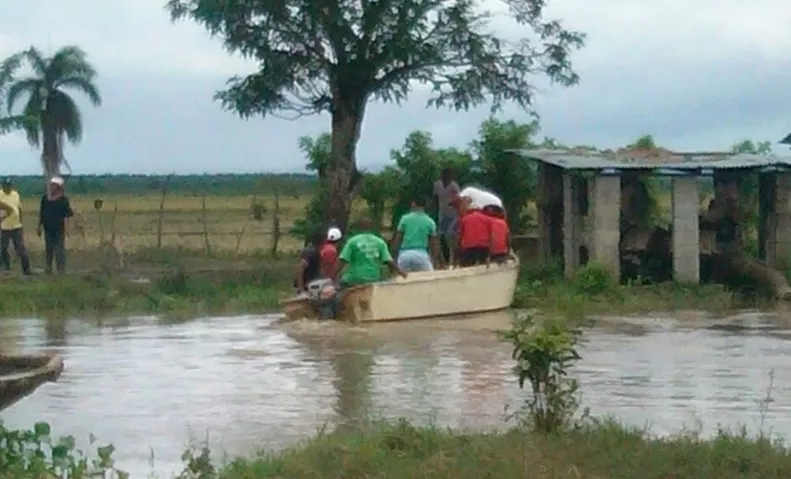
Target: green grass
[
  {"x": 189, "y": 283},
  {"x": 601, "y": 450},
  {"x": 592, "y": 291},
  {"x": 171, "y": 294}
]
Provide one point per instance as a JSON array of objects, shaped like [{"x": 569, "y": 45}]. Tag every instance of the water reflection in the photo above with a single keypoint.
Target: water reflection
[
  {"x": 55, "y": 331},
  {"x": 250, "y": 382}
]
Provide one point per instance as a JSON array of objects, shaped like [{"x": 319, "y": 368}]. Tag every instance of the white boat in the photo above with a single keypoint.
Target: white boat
[{"x": 455, "y": 291}]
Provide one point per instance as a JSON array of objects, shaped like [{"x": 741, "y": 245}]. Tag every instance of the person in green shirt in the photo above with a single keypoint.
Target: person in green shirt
[
  {"x": 415, "y": 234},
  {"x": 362, "y": 257}
]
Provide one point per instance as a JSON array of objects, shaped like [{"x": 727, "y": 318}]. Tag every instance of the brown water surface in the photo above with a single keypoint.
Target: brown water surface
[{"x": 249, "y": 382}]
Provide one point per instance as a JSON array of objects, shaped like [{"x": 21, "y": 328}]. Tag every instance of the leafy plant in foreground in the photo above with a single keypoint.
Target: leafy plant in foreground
[
  {"x": 33, "y": 454},
  {"x": 544, "y": 354}
]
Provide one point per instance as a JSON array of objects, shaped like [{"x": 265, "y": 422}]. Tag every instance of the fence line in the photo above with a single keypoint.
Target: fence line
[{"x": 112, "y": 239}]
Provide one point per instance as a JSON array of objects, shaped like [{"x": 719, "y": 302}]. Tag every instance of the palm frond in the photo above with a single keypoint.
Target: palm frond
[
  {"x": 84, "y": 85},
  {"x": 33, "y": 128},
  {"x": 8, "y": 68},
  {"x": 37, "y": 61},
  {"x": 27, "y": 86},
  {"x": 69, "y": 61},
  {"x": 64, "y": 115},
  {"x": 10, "y": 124}
]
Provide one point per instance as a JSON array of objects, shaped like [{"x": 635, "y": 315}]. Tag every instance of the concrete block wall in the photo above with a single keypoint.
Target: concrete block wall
[
  {"x": 686, "y": 231},
  {"x": 605, "y": 222},
  {"x": 781, "y": 248},
  {"x": 571, "y": 227}
]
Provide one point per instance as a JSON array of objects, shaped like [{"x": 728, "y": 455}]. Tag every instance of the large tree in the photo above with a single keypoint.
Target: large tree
[
  {"x": 55, "y": 113},
  {"x": 335, "y": 56}
]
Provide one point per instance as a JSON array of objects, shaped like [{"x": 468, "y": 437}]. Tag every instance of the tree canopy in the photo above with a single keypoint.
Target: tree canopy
[
  {"x": 335, "y": 56},
  {"x": 313, "y": 55}
]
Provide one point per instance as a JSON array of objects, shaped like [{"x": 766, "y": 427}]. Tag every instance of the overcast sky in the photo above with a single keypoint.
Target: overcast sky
[{"x": 696, "y": 75}]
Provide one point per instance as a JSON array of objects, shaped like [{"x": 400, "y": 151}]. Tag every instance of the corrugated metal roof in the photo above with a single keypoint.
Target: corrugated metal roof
[{"x": 658, "y": 161}]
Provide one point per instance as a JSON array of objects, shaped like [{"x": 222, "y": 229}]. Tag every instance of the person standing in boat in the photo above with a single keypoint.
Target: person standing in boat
[
  {"x": 445, "y": 190},
  {"x": 475, "y": 234},
  {"x": 415, "y": 237},
  {"x": 362, "y": 256},
  {"x": 500, "y": 244},
  {"x": 328, "y": 253}
]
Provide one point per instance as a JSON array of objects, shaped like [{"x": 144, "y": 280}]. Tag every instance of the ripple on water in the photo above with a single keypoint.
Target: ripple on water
[{"x": 249, "y": 381}]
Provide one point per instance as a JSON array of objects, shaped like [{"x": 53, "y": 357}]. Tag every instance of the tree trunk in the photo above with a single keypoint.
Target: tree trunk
[
  {"x": 343, "y": 178},
  {"x": 51, "y": 153},
  {"x": 742, "y": 265}
]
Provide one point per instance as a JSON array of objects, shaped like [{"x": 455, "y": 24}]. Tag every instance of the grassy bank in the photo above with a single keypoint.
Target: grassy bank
[
  {"x": 189, "y": 282},
  {"x": 600, "y": 450},
  {"x": 592, "y": 291},
  {"x": 168, "y": 282}
]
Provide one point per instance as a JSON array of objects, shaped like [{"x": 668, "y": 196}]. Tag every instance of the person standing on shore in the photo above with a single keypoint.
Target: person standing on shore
[
  {"x": 53, "y": 223},
  {"x": 11, "y": 228},
  {"x": 445, "y": 190}
]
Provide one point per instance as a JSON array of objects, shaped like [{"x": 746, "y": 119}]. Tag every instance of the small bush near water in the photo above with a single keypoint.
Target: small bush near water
[{"x": 550, "y": 441}]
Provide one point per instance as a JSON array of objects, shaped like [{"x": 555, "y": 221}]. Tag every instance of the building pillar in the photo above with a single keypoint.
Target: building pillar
[
  {"x": 571, "y": 223},
  {"x": 766, "y": 216},
  {"x": 782, "y": 222},
  {"x": 605, "y": 209},
  {"x": 686, "y": 230}
]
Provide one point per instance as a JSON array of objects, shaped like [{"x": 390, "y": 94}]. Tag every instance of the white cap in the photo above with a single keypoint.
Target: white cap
[
  {"x": 334, "y": 234},
  {"x": 57, "y": 180}
]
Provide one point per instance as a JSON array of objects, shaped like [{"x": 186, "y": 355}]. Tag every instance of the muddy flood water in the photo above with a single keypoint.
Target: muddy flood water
[{"x": 249, "y": 383}]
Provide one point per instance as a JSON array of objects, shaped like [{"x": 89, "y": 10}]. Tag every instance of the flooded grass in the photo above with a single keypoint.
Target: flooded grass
[
  {"x": 599, "y": 450},
  {"x": 171, "y": 294},
  {"x": 592, "y": 291},
  {"x": 183, "y": 283}
]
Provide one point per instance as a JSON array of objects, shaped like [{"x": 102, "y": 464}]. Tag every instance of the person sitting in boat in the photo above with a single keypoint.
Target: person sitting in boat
[
  {"x": 415, "y": 235},
  {"x": 500, "y": 244},
  {"x": 309, "y": 267},
  {"x": 328, "y": 253},
  {"x": 362, "y": 256},
  {"x": 475, "y": 234}
]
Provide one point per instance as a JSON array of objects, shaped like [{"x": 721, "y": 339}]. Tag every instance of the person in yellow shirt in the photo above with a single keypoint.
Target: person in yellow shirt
[{"x": 11, "y": 227}]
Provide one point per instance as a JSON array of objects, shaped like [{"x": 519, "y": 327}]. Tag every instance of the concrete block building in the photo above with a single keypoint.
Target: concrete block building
[{"x": 580, "y": 212}]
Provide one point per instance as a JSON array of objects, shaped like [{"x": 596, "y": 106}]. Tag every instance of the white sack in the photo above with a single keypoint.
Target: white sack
[{"x": 479, "y": 198}]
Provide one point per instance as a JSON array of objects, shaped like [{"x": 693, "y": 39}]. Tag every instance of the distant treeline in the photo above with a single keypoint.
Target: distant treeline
[{"x": 288, "y": 184}]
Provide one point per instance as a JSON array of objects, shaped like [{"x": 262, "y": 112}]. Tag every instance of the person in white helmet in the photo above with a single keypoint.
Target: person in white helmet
[
  {"x": 328, "y": 253},
  {"x": 318, "y": 260}
]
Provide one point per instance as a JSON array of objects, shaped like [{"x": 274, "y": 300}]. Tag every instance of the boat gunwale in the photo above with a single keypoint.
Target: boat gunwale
[{"x": 52, "y": 369}]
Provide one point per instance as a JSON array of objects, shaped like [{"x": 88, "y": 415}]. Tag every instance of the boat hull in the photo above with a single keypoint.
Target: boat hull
[
  {"x": 420, "y": 295},
  {"x": 20, "y": 375}
]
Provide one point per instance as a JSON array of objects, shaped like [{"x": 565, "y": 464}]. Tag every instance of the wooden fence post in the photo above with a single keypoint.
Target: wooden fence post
[
  {"x": 239, "y": 237},
  {"x": 162, "y": 211},
  {"x": 206, "y": 239},
  {"x": 276, "y": 224}
]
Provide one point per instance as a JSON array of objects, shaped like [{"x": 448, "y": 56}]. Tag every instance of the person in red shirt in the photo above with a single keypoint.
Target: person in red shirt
[
  {"x": 475, "y": 235},
  {"x": 328, "y": 254},
  {"x": 500, "y": 246}
]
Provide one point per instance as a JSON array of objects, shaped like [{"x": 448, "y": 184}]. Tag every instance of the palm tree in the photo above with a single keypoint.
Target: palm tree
[{"x": 55, "y": 112}]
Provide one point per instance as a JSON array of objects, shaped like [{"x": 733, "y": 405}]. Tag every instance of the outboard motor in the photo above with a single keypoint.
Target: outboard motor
[{"x": 324, "y": 298}]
